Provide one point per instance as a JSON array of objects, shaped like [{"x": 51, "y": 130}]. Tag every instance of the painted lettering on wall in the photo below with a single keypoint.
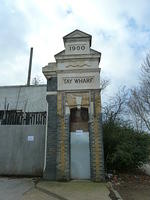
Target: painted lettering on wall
[{"x": 78, "y": 80}]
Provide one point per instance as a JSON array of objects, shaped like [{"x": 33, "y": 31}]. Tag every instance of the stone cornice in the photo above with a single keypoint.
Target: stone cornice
[
  {"x": 93, "y": 54},
  {"x": 78, "y": 70},
  {"x": 49, "y": 70}
]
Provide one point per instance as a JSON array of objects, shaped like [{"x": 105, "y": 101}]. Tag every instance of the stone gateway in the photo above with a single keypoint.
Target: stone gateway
[{"x": 74, "y": 142}]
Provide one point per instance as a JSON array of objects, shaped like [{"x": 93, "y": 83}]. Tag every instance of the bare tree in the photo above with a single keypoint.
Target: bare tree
[
  {"x": 116, "y": 107},
  {"x": 104, "y": 83},
  {"x": 36, "y": 80},
  {"x": 139, "y": 101},
  {"x": 145, "y": 71}
]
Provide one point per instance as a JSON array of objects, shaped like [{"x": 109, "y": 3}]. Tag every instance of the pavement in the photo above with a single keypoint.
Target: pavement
[{"x": 33, "y": 189}]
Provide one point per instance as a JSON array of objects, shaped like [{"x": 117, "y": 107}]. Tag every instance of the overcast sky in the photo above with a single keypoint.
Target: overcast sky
[{"x": 120, "y": 31}]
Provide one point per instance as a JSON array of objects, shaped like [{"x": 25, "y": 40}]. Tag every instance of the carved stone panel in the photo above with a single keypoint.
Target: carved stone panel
[
  {"x": 77, "y": 48},
  {"x": 78, "y": 81}
]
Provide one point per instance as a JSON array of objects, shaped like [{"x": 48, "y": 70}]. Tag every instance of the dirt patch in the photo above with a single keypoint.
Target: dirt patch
[{"x": 132, "y": 186}]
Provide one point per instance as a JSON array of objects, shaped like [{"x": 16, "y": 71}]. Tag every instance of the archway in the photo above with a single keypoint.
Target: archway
[
  {"x": 79, "y": 119},
  {"x": 80, "y": 152}
]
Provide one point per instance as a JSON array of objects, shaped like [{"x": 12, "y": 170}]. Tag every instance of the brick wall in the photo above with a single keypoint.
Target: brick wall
[
  {"x": 96, "y": 141},
  {"x": 58, "y": 138},
  {"x": 62, "y": 140}
]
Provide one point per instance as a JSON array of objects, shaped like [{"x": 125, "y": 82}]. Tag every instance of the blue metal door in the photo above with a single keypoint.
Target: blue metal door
[{"x": 80, "y": 155}]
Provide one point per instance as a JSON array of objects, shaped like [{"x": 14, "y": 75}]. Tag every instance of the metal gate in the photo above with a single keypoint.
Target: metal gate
[{"x": 80, "y": 155}]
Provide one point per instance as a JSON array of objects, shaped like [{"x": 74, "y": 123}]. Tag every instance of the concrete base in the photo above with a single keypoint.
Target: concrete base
[{"x": 26, "y": 189}]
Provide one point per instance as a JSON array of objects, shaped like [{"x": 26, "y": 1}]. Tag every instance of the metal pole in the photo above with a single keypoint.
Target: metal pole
[{"x": 30, "y": 66}]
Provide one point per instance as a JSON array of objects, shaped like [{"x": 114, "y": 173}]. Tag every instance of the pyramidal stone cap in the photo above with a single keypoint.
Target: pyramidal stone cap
[{"x": 77, "y": 35}]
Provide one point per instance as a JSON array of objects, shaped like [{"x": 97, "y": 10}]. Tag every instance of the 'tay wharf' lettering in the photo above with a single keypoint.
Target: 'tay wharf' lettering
[{"x": 78, "y": 80}]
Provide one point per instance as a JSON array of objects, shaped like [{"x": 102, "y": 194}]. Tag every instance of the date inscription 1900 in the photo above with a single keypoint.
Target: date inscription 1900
[{"x": 77, "y": 48}]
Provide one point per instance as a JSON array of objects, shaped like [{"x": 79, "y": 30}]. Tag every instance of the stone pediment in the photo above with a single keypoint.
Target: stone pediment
[
  {"x": 61, "y": 53},
  {"x": 77, "y": 34},
  {"x": 94, "y": 52}
]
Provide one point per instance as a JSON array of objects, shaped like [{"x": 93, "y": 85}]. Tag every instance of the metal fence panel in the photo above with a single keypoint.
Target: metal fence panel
[{"x": 22, "y": 149}]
